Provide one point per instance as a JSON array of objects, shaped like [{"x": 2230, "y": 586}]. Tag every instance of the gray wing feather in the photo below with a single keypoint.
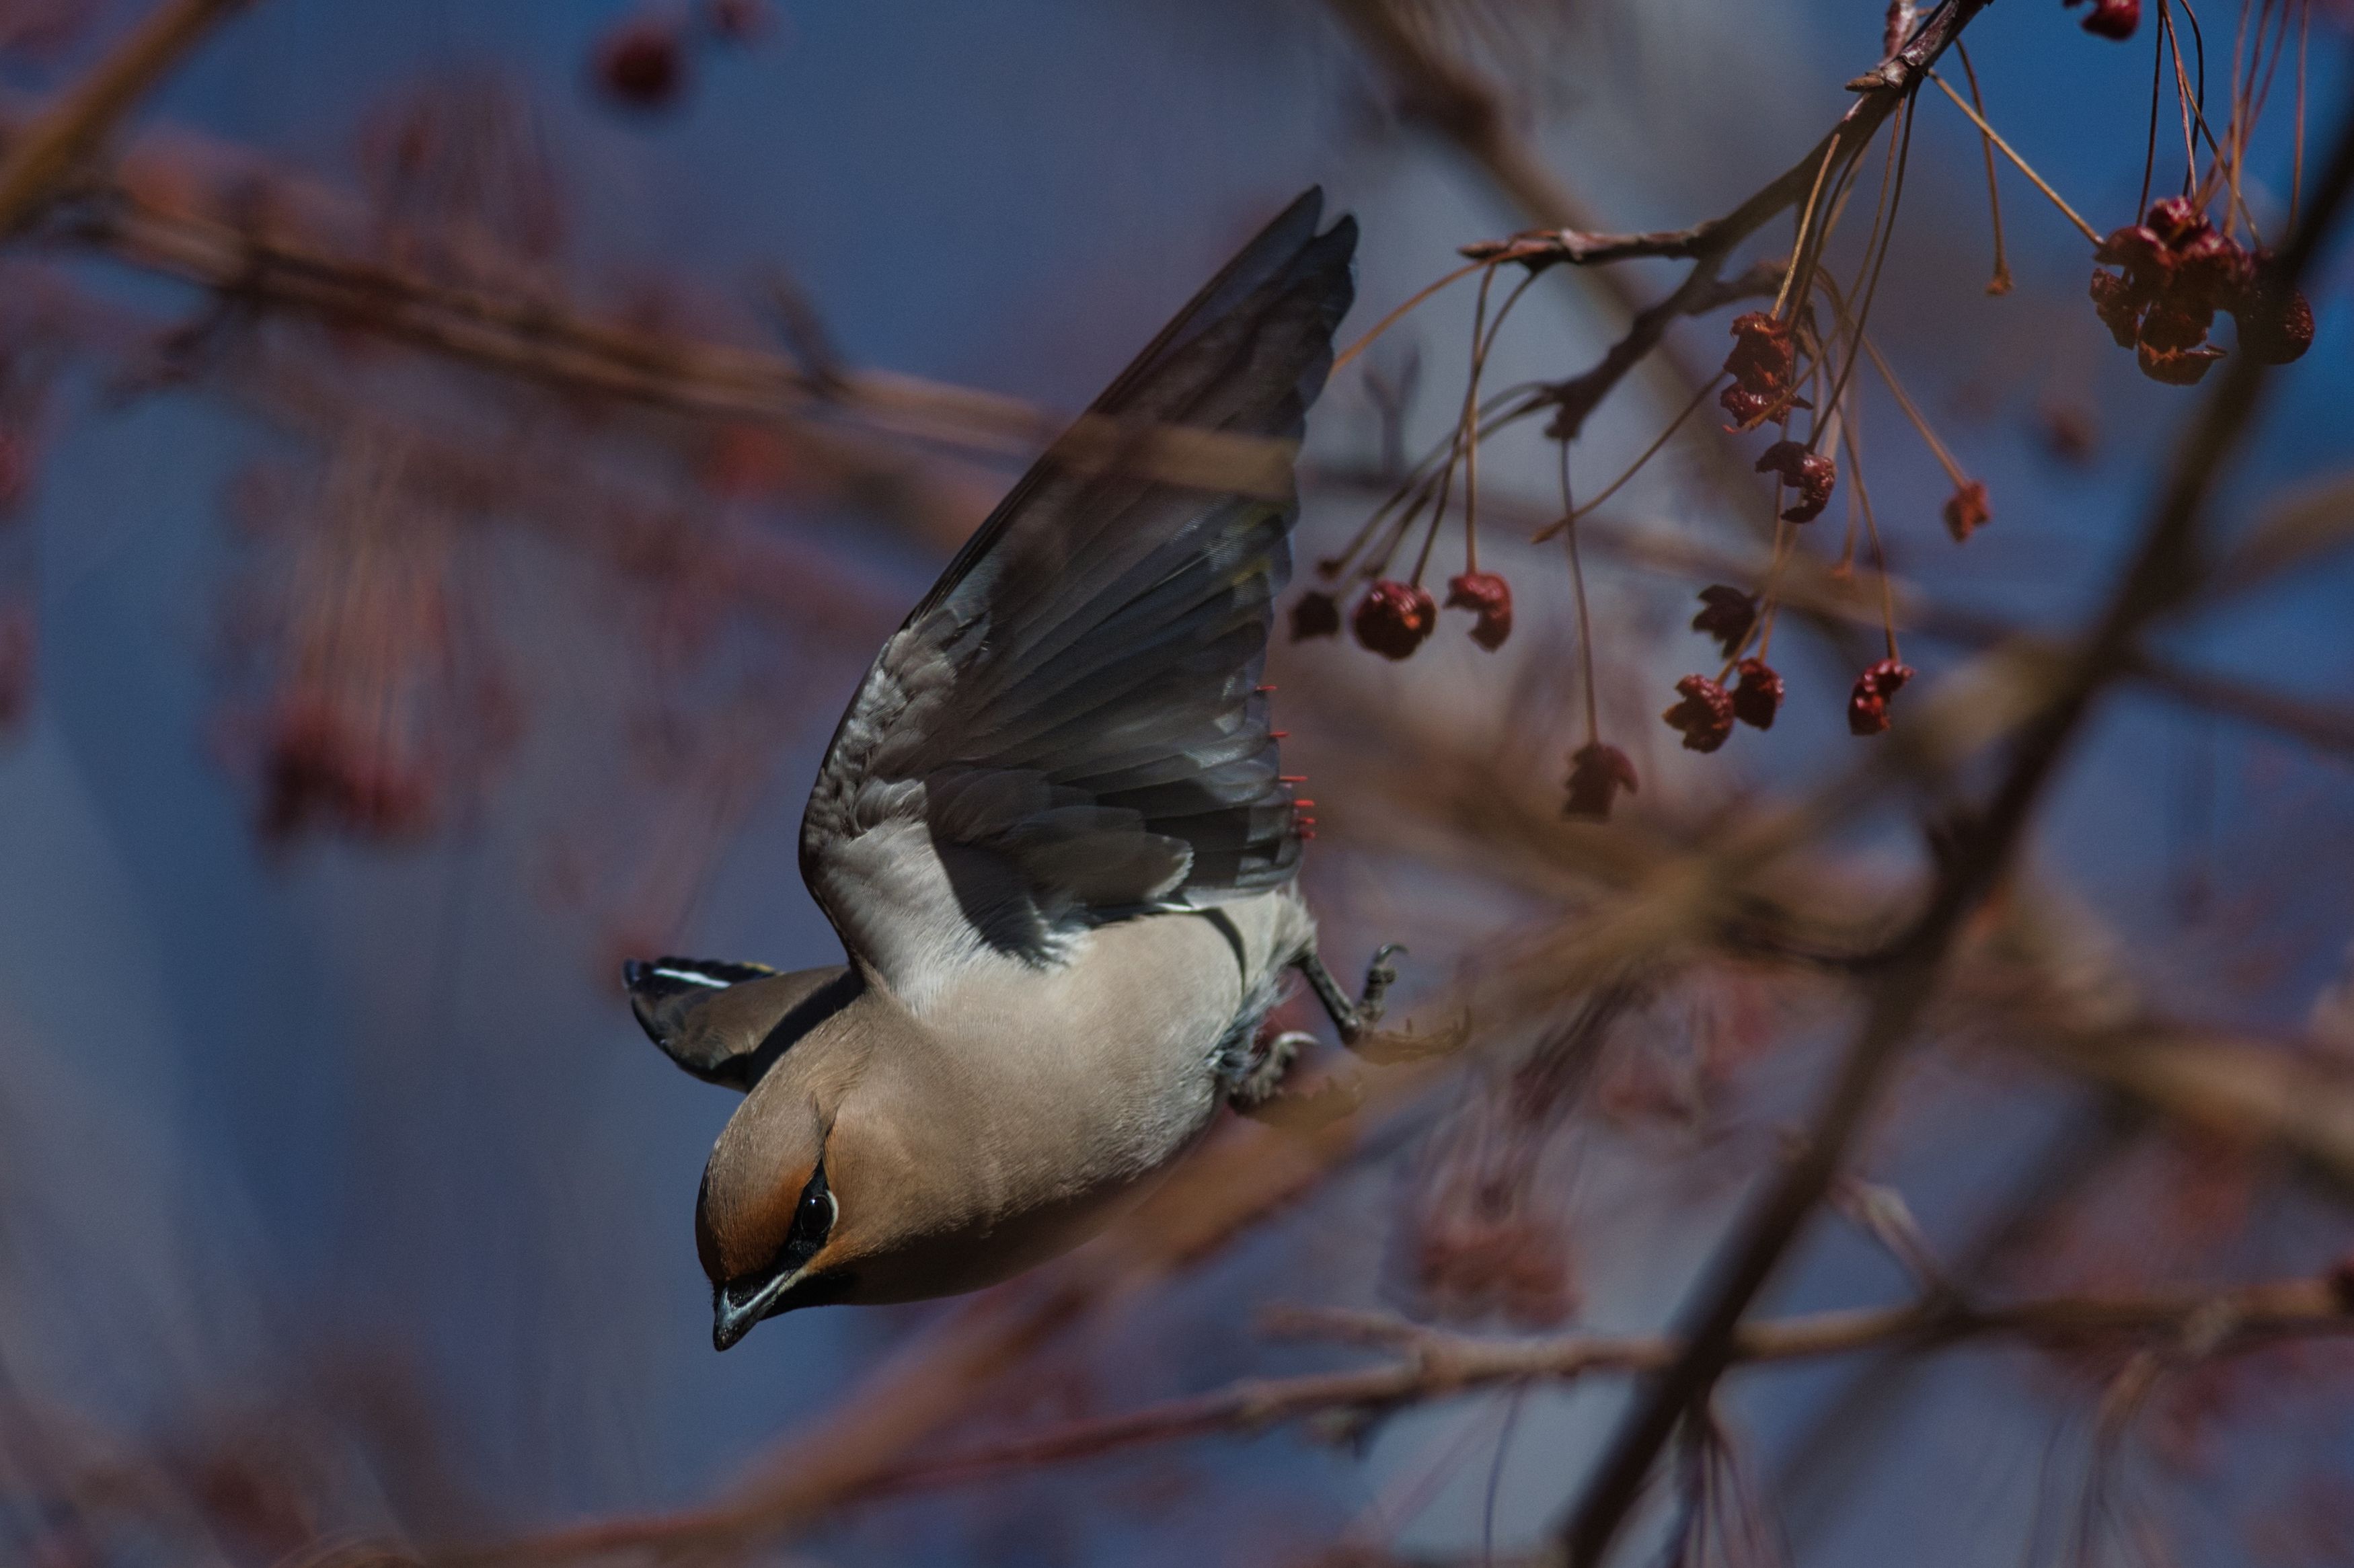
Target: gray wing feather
[{"x": 1070, "y": 723}]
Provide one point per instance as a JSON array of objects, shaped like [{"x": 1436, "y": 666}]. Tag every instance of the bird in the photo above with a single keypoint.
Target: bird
[{"x": 1055, "y": 838}]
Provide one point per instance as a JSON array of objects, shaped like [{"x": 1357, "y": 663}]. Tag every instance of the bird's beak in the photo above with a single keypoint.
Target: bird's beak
[{"x": 740, "y": 1303}]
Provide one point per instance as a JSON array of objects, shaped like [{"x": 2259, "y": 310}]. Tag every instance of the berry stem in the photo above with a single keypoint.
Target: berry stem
[
  {"x": 1904, "y": 402},
  {"x": 1649, "y": 454},
  {"x": 2001, "y": 282},
  {"x": 1886, "y": 233},
  {"x": 1994, "y": 138},
  {"x": 1800, "y": 252},
  {"x": 1391, "y": 320},
  {"x": 1584, "y": 621},
  {"x": 1871, "y": 528},
  {"x": 1482, "y": 345}
]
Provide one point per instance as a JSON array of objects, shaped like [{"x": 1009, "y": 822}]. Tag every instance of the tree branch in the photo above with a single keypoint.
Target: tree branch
[
  {"x": 43, "y": 154},
  {"x": 1432, "y": 1364}
]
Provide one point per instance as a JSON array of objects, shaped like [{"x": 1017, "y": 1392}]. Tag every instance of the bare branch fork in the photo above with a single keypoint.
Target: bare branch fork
[{"x": 1707, "y": 245}]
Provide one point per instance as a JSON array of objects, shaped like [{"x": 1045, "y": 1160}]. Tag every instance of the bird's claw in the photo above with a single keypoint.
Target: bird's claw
[
  {"x": 1355, "y": 1020},
  {"x": 1259, "y": 1087}
]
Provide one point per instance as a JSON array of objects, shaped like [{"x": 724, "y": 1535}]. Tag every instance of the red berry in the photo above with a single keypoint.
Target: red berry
[
  {"x": 1704, "y": 715},
  {"x": 2118, "y": 304},
  {"x": 1867, "y": 704},
  {"x": 2113, "y": 19},
  {"x": 2275, "y": 321},
  {"x": 1810, "y": 474},
  {"x": 2210, "y": 270},
  {"x": 1763, "y": 367},
  {"x": 1490, "y": 594},
  {"x": 2176, "y": 321},
  {"x": 2141, "y": 250},
  {"x": 1757, "y": 697},
  {"x": 1394, "y": 619},
  {"x": 2176, "y": 220},
  {"x": 1726, "y": 614},
  {"x": 1967, "y": 510},
  {"x": 1597, "y": 774},
  {"x": 642, "y": 64},
  {"x": 1315, "y": 614}
]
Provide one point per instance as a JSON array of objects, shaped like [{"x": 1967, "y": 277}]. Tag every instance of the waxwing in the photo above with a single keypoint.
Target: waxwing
[{"x": 1052, "y": 834}]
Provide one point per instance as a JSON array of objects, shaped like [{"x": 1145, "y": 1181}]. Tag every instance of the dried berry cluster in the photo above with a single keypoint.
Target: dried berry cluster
[
  {"x": 1705, "y": 710},
  {"x": 2176, "y": 271},
  {"x": 1395, "y": 617}
]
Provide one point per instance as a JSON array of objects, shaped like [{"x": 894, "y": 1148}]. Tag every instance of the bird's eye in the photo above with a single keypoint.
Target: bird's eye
[{"x": 814, "y": 1216}]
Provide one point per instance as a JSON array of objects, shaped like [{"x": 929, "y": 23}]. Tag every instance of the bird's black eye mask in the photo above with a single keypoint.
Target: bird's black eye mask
[{"x": 781, "y": 1287}]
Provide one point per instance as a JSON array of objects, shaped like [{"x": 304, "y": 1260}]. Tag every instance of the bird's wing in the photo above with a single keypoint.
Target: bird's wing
[
  {"x": 1070, "y": 726},
  {"x": 721, "y": 1020}
]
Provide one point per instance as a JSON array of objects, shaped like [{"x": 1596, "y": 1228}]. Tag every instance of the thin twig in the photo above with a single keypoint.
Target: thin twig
[{"x": 2021, "y": 164}]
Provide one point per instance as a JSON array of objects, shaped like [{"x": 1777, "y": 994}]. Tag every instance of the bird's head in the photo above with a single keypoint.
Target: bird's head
[{"x": 769, "y": 1221}]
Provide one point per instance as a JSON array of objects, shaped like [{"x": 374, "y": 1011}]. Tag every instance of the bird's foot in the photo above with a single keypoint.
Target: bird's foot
[
  {"x": 1263, "y": 1082},
  {"x": 1355, "y": 1020}
]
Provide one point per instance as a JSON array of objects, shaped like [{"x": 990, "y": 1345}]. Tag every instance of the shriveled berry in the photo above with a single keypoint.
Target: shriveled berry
[
  {"x": 1763, "y": 367},
  {"x": 1810, "y": 474},
  {"x": 1597, "y": 774},
  {"x": 1726, "y": 614},
  {"x": 2146, "y": 254},
  {"x": 1704, "y": 716},
  {"x": 2175, "y": 322},
  {"x": 2176, "y": 367},
  {"x": 2176, "y": 220},
  {"x": 1491, "y": 596},
  {"x": 2275, "y": 320},
  {"x": 2179, "y": 270},
  {"x": 1394, "y": 619},
  {"x": 642, "y": 64},
  {"x": 1967, "y": 510},
  {"x": 1867, "y": 704},
  {"x": 1758, "y": 695},
  {"x": 2210, "y": 268},
  {"x": 1315, "y": 614},
  {"x": 2119, "y": 306}
]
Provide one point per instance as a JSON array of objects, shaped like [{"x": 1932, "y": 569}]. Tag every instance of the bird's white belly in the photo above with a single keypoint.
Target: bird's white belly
[{"x": 1101, "y": 1071}]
